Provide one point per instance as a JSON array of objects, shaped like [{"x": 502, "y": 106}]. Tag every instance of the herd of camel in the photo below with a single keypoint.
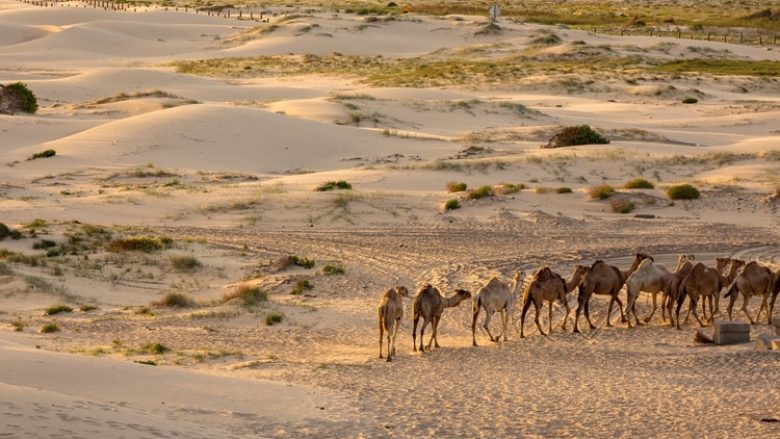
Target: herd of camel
[{"x": 691, "y": 279}]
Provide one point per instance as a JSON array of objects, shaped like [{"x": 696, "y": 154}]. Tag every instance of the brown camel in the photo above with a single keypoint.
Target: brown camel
[
  {"x": 702, "y": 281},
  {"x": 604, "y": 279},
  {"x": 752, "y": 280},
  {"x": 684, "y": 267},
  {"x": 390, "y": 311},
  {"x": 731, "y": 270},
  {"x": 430, "y": 304},
  {"x": 495, "y": 296},
  {"x": 549, "y": 286}
]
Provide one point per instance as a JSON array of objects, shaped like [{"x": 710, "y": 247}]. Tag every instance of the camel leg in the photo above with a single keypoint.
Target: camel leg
[
  {"x": 712, "y": 309},
  {"x": 504, "y": 321},
  {"x": 526, "y": 305},
  {"x": 587, "y": 315},
  {"x": 549, "y": 319},
  {"x": 663, "y": 307},
  {"x": 381, "y": 334},
  {"x": 623, "y": 318},
  {"x": 538, "y": 308},
  {"x": 609, "y": 312},
  {"x": 633, "y": 311},
  {"x": 650, "y": 317},
  {"x": 745, "y": 300},
  {"x": 395, "y": 333},
  {"x": 436, "y": 332},
  {"x": 486, "y": 325},
  {"x": 732, "y": 299},
  {"x": 474, "y": 315},
  {"x": 422, "y": 332},
  {"x": 414, "y": 333},
  {"x": 566, "y": 317},
  {"x": 695, "y": 312},
  {"x": 389, "y": 346},
  {"x": 771, "y": 308}
]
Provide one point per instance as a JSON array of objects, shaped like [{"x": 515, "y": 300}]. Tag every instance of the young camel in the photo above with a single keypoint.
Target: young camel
[
  {"x": 753, "y": 280},
  {"x": 495, "y": 296},
  {"x": 390, "y": 311},
  {"x": 549, "y": 286},
  {"x": 605, "y": 280},
  {"x": 702, "y": 281},
  {"x": 430, "y": 304}
]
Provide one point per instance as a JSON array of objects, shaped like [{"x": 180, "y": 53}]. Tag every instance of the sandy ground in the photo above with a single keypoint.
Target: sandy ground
[{"x": 226, "y": 167}]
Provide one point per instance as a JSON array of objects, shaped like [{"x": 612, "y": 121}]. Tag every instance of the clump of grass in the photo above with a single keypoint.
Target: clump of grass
[
  {"x": 683, "y": 192},
  {"x": 690, "y": 100},
  {"x": 452, "y": 204},
  {"x": 44, "y": 244},
  {"x": 601, "y": 192},
  {"x": 87, "y": 308},
  {"x": 480, "y": 192},
  {"x": 18, "y": 325},
  {"x": 302, "y": 262},
  {"x": 273, "y": 318},
  {"x": 43, "y": 154},
  {"x": 509, "y": 188},
  {"x": 249, "y": 296},
  {"x": 175, "y": 300},
  {"x": 563, "y": 190},
  {"x": 331, "y": 270},
  {"x": 456, "y": 186},
  {"x": 639, "y": 183},
  {"x": 146, "y": 362},
  {"x": 622, "y": 206},
  {"x": 154, "y": 348},
  {"x": 7, "y": 232},
  {"x": 56, "y": 309},
  {"x": 543, "y": 190},
  {"x": 49, "y": 328},
  {"x": 576, "y": 135},
  {"x": 330, "y": 185},
  {"x": 24, "y": 97},
  {"x": 144, "y": 244},
  {"x": 184, "y": 263},
  {"x": 301, "y": 286}
]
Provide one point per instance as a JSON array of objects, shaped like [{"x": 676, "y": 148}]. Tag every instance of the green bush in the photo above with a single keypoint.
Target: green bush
[
  {"x": 331, "y": 270},
  {"x": 154, "y": 348},
  {"x": 175, "y": 300},
  {"x": 273, "y": 318},
  {"x": 563, "y": 190},
  {"x": 576, "y": 135},
  {"x": 690, "y": 100},
  {"x": 509, "y": 188},
  {"x": 456, "y": 187},
  {"x": 639, "y": 183},
  {"x": 683, "y": 192},
  {"x": 87, "y": 308},
  {"x": 302, "y": 262},
  {"x": 622, "y": 206},
  {"x": 44, "y": 244},
  {"x": 49, "y": 328},
  {"x": 248, "y": 295},
  {"x": 601, "y": 192},
  {"x": 56, "y": 309},
  {"x": 185, "y": 263},
  {"x": 7, "y": 232},
  {"x": 138, "y": 243},
  {"x": 25, "y": 97},
  {"x": 480, "y": 192},
  {"x": 451, "y": 204},
  {"x": 301, "y": 286},
  {"x": 330, "y": 185},
  {"x": 43, "y": 154}
]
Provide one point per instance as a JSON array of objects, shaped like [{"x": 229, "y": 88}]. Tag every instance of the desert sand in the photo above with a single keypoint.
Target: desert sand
[{"x": 218, "y": 167}]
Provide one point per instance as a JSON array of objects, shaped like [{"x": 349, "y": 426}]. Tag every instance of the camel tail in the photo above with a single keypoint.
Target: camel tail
[
  {"x": 732, "y": 289},
  {"x": 476, "y": 304},
  {"x": 681, "y": 296}
]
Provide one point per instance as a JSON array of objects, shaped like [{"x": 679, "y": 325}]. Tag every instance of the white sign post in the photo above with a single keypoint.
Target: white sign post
[{"x": 494, "y": 12}]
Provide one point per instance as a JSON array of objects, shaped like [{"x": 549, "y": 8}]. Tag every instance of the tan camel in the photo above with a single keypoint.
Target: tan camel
[
  {"x": 495, "y": 296},
  {"x": 549, "y": 286},
  {"x": 603, "y": 279},
  {"x": 702, "y": 281},
  {"x": 684, "y": 267},
  {"x": 651, "y": 278},
  {"x": 752, "y": 280},
  {"x": 430, "y": 304},
  {"x": 390, "y": 311}
]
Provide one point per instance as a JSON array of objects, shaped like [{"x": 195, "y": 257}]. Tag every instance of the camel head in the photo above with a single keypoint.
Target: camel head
[
  {"x": 462, "y": 294},
  {"x": 642, "y": 256},
  {"x": 735, "y": 265},
  {"x": 721, "y": 264},
  {"x": 402, "y": 291},
  {"x": 581, "y": 270}
]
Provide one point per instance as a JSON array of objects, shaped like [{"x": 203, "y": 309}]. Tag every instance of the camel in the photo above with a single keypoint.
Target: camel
[
  {"x": 684, "y": 267},
  {"x": 651, "y": 278},
  {"x": 605, "y": 279},
  {"x": 732, "y": 269},
  {"x": 390, "y": 311},
  {"x": 549, "y": 286},
  {"x": 702, "y": 281},
  {"x": 495, "y": 296},
  {"x": 430, "y": 304},
  {"x": 752, "y": 280}
]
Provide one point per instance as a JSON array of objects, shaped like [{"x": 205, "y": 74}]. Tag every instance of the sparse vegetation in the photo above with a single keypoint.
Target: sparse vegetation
[
  {"x": 48, "y": 328},
  {"x": 249, "y": 296},
  {"x": 622, "y": 206},
  {"x": 175, "y": 300},
  {"x": 273, "y": 318},
  {"x": 301, "y": 286},
  {"x": 683, "y": 192},
  {"x": 690, "y": 100},
  {"x": 601, "y": 192},
  {"x": 87, "y": 308},
  {"x": 301, "y": 261},
  {"x": 563, "y": 190},
  {"x": 456, "y": 186},
  {"x": 7, "y": 232},
  {"x": 509, "y": 188},
  {"x": 18, "y": 325},
  {"x": 480, "y": 192},
  {"x": 330, "y": 185},
  {"x": 331, "y": 270},
  {"x": 146, "y": 362},
  {"x": 183, "y": 263},
  {"x": 576, "y": 135},
  {"x": 44, "y": 244},
  {"x": 43, "y": 154},
  {"x": 154, "y": 349},
  {"x": 639, "y": 183},
  {"x": 20, "y": 97},
  {"x": 452, "y": 204},
  {"x": 144, "y": 244},
  {"x": 56, "y": 309}
]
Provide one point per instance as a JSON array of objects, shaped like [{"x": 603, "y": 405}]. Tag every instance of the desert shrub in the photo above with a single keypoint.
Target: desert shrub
[
  {"x": 690, "y": 100},
  {"x": 622, "y": 206},
  {"x": 509, "y": 188},
  {"x": 18, "y": 325},
  {"x": 601, "y": 192},
  {"x": 44, "y": 244},
  {"x": 49, "y": 328},
  {"x": 273, "y": 318},
  {"x": 58, "y": 271},
  {"x": 683, "y": 192},
  {"x": 543, "y": 190},
  {"x": 144, "y": 244},
  {"x": 452, "y": 204},
  {"x": 302, "y": 262},
  {"x": 330, "y": 185},
  {"x": 43, "y": 154},
  {"x": 331, "y": 270},
  {"x": 154, "y": 348},
  {"x": 301, "y": 286},
  {"x": 247, "y": 295},
  {"x": 563, "y": 190},
  {"x": 480, "y": 192},
  {"x": 56, "y": 309},
  {"x": 456, "y": 186},
  {"x": 87, "y": 308},
  {"x": 25, "y": 98},
  {"x": 7, "y": 232},
  {"x": 175, "y": 300},
  {"x": 185, "y": 263},
  {"x": 639, "y": 183},
  {"x": 576, "y": 135},
  {"x": 146, "y": 362}
]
